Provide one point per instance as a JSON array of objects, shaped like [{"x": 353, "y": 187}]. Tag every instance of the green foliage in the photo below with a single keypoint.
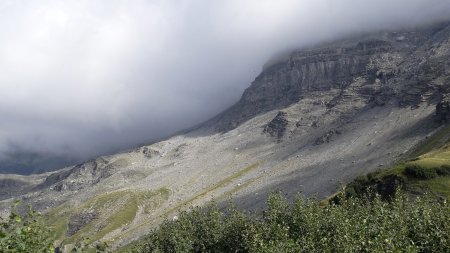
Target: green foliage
[
  {"x": 444, "y": 170},
  {"x": 83, "y": 246},
  {"x": 428, "y": 173},
  {"x": 420, "y": 172},
  {"x": 369, "y": 185},
  {"x": 24, "y": 234},
  {"x": 353, "y": 225}
]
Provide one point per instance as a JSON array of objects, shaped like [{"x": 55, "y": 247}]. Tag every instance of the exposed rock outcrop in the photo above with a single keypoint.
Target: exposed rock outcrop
[
  {"x": 327, "y": 137},
  {"x": 80, "y": 176},
  {"x": 277, "y": 127},
  {"x": 149, "y": 152},
  {"x": 78, "y": 221}
]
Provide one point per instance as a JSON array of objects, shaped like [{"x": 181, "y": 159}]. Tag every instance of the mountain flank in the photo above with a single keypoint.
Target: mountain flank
[{"x": 308, "y": 124}]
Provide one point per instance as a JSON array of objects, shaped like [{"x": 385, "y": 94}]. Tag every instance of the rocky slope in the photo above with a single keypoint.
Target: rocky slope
[
  {"x": 307, "y": 124},
  {"x": 411, "y": 66}
]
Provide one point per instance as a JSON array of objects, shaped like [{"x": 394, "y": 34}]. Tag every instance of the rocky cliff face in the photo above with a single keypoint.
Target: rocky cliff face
[
  {"x": 409, "y": 66},
  {"x": 80, "y": 176}
]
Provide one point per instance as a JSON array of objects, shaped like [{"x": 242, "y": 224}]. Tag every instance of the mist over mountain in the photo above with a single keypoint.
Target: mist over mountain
[
  {"x": 82, "y": 78},
  {"x": 371, "y": 112}
]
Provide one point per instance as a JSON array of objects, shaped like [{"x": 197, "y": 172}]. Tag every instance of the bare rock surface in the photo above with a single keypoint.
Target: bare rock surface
[
  {"x": 277, "y": 127},
  {"x": 78, "y": 221}
]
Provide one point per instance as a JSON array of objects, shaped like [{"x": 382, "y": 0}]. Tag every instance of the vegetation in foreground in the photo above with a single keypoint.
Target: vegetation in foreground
[
  {"x": 23, "y": 234},
  {"x": 353, "y": 225}
]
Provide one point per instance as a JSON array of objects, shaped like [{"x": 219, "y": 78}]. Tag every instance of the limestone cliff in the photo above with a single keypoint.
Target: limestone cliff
[{"x": 409, "y": 66}]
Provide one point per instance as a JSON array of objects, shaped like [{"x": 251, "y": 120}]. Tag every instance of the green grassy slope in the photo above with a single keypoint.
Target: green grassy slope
[
  {"x": 103, "y": 214},
  {"x": 427, "y": 170}
]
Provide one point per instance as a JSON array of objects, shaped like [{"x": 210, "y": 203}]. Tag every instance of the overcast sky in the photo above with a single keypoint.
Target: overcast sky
[{"x": 85, "y": 77}]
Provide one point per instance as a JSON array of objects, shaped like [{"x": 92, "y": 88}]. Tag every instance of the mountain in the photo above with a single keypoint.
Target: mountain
[
  {"x": 25, "y": 163},
  {"x": 308, "y": 123}
]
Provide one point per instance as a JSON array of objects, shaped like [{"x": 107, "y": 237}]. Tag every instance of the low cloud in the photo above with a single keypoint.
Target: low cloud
[{"x": 81, "y": 78}]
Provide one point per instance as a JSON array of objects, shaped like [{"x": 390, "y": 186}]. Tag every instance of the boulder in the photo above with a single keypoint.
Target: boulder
[{"x": 277, "y": 126}]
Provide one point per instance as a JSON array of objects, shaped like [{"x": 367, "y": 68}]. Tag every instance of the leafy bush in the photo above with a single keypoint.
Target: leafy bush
[
  {"x": 371, "y": 185},
  {"x": 420, "y": 172},
  {"x": 444, "y": 170},
  {"x": 354, "y": 225},
  {"x": 25, "y": 234},
  {"x": 82, "y": 246},
  {"x": 360, "y": 185}
]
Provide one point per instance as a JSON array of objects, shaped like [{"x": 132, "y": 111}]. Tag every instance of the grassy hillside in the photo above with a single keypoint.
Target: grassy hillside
[
  {"x": 428, "y": 170},
  {"x": 103, "y": 215}
]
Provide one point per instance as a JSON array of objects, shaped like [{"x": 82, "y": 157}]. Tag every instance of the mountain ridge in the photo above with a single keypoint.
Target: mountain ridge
[
  {"x": 340, "y": 59},
  {"x": 308, "y": 124}
]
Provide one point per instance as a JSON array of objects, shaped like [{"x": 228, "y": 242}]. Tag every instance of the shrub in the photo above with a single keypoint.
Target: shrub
[
  {"x": 416, "y": 171},
  {"x": 355, "y": 225},
  {"x": 360, "y": 186},
  {"x": 444, "y": 170},
  {"x": 371, "y": 185},
  {"x": 23, "y": 234}
]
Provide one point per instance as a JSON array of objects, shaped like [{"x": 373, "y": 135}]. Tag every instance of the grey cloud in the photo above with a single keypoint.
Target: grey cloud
[{"x": 82, "y": 78}]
